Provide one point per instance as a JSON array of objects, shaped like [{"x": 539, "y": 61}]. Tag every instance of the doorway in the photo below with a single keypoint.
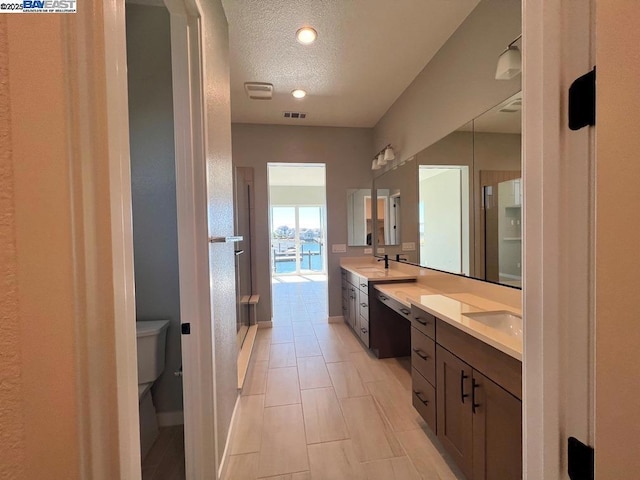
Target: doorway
[{"x": 297, "y": 216}]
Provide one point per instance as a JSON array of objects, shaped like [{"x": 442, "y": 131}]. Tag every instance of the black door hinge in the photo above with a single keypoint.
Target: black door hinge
[
  {"x": 186, "y": 328},
  {"x": 581, "y": 460},
  {"x": 582, "y": 101}
]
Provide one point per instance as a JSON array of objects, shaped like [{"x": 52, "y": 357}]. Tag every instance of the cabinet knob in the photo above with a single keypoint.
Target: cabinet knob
[
  {"x": 363, "y": 305},
  {"x": 363, "y": 284},
  {"x": 405, "y": 311}
]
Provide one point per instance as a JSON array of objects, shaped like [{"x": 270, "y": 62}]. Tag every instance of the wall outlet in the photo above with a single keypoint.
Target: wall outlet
[
  {"x": 339, "y": 248},
  {"x": 380, "y": 250},
  {"x": 408, "y": 246},
  {"x": 368, "y": 251}
]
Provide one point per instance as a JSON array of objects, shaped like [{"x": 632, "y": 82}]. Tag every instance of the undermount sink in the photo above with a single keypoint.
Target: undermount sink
[{"x": 506, "y": 322}]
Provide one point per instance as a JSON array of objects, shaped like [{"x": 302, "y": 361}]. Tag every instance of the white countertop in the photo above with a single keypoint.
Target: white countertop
[
  {"x": 373, "y": 272},
  {"x": 451, "y": 308}
]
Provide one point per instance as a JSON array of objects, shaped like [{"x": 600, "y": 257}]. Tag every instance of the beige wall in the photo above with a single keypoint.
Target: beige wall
[
  {"x": 153, "y": 186},
  {"x": 48, "y": 178},
  {"x": 345, "y": 151},
  {"x": 617, "y": 284},
  {"x": 457, "y": 85}
]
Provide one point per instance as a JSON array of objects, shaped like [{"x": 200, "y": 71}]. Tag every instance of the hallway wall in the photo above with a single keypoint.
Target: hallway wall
[{"x": 346, "y": 153}]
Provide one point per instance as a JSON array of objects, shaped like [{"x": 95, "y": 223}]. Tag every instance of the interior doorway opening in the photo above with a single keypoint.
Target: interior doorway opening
[{"x": 297, "y": 220}]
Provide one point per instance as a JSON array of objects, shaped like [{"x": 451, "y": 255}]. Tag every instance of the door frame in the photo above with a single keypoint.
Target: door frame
[
  {"x": 558, "y": 232},
  {"x": 189, "y": 127}
]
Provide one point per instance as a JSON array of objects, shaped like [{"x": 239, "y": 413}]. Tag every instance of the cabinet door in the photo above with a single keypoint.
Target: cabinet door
[
  {"x": 497, "y": 431},
  {"x": 454, "y": 416}
]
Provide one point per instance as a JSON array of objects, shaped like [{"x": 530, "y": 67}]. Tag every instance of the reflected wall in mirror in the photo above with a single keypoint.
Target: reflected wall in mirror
[
  {"x": 359, "y": 217},
  {"x": 465, "y": 193},
  {"x": 389, "y": 202}
]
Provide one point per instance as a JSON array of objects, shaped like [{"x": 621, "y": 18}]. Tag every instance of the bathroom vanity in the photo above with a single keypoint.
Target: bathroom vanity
[{"x": 466, "y": 356}]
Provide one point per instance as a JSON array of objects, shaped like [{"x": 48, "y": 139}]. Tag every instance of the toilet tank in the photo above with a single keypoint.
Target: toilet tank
[{"x": 151, "y": 339}]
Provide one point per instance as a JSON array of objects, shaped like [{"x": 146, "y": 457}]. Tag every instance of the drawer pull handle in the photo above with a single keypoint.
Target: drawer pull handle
[
  {"x": 419, "y": 395},
  {"x": 351, "y": 297},
  {"x": 363, "y": 330},
  {"x": 421, "y": 321},
  {"x": 405, "y": 311},
  {"x": 363, "y": 305},
  {"x": 421, "y": 354},
  {"x": 475, "y": 385},
  {"x": 383, "y": 298},
  {"x": 363, "y": 284},
  {"x": 462, "y": 378}
]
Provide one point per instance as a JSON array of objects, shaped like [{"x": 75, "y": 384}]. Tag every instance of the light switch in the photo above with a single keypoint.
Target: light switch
[{"x": 339, "y": 248}]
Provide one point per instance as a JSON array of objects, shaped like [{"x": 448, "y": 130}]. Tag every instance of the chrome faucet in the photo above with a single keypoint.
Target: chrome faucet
[{"x": 386, "y": 261}]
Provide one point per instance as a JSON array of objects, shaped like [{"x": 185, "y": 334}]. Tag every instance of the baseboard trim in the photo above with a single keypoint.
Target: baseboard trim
[
  {"x": 338, "y": 319},
  {"x": 224, "y": 464},
  {"x": 265, "y": 324},
  {"x": 170, "y": 419},
  {"x": 245, "y": 354}
]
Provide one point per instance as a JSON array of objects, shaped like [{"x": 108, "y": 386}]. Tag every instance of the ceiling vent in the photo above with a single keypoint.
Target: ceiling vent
[
  {"x": 295, "y": 115},
  {"x": 258, "y": 90}
]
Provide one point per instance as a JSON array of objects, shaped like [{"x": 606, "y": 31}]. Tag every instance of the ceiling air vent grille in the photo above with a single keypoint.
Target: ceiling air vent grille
[
  {"x": 259, "y": 91},
  {"x": 295, "y": 115}
]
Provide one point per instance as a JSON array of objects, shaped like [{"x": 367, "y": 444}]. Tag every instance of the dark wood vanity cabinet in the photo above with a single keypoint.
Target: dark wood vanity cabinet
[{"x": 469, "y": 393}]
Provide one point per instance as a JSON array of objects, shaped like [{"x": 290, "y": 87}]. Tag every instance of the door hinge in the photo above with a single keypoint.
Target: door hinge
[
  {"x": 582, "y": 101},
  {"x": 186, "y": 328},
  {"x": 581, "y": 460}
]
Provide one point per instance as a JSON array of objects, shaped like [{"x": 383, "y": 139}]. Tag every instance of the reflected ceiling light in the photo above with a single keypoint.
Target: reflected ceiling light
[
  {"x": 299, "y": 93},
  {"x": 509, "y": 62},
  {"x": 381, "y": 160},
  {"x": 374, "y": 165},
  {"x": 306, "y": 35}
]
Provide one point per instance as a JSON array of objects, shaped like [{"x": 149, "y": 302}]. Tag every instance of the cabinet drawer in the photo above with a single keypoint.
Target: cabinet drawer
[
  {"x": 423, "y": 321},
  {"x": 423, "y": 355},
  {"x": 394, "y": 305},
  {"x": 424, "y": 398},
  {"x": 364, "y": 305},
  {"x": 363, "y": 331},
  {"x": 363, "y": 285}
]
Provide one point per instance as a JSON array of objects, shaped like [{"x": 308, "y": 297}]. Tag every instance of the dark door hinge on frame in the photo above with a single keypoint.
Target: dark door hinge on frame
[
  {"x": 582, "y": 101},
  {"x": 581, "y": 460}
]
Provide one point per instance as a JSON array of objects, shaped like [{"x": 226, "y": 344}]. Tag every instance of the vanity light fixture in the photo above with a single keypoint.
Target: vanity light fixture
[
  {"x": 297, "y": 93},
  {"x": 306, "y": 35},
  {"x": 383, "y": 156},
  {"x": 509, "y": 62}
]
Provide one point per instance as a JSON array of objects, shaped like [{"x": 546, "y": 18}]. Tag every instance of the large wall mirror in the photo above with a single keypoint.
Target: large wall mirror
[
  {"x": 459, "y": 200},
  {"x": 359, "y": 217}
]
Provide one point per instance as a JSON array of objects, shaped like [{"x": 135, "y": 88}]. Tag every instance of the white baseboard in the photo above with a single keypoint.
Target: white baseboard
[
  {"x": 267, "y": 324},
  {"x": 338, "y": 319},
  {"x": 224, "y": 464},
  {"x": 170, "y": 419}
]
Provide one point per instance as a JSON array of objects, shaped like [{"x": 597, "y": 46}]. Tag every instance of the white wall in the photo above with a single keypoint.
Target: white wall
[
  {"x": 457, "y": 85},
  {"x": 153, "y": 186},
  {"x": 345, "y": 151}
]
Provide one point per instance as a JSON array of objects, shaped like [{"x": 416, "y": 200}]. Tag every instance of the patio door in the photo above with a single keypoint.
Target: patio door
[{"x": 298, "y": 245}]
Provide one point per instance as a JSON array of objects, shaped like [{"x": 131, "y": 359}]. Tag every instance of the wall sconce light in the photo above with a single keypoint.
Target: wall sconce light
[
  {"x": 385, "y": 155},
  {"x": 509, "y": 62}
]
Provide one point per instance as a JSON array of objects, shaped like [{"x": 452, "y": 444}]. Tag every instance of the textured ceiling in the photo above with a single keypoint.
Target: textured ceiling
[{"x": 366, "y": 54}]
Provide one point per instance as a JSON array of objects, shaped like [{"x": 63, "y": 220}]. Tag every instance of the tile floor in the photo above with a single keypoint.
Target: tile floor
[
  {"x": 317, "y": 406},
  {"x": 165, "y": 460}
]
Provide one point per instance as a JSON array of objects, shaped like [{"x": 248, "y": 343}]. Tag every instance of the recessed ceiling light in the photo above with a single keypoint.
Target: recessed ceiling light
[
  {"x": 299, "y": 93},
  {"x": 306, "y": 35}
]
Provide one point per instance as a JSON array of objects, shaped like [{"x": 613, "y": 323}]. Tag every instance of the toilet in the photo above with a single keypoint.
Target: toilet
[{"x": 151, "y": 341}]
